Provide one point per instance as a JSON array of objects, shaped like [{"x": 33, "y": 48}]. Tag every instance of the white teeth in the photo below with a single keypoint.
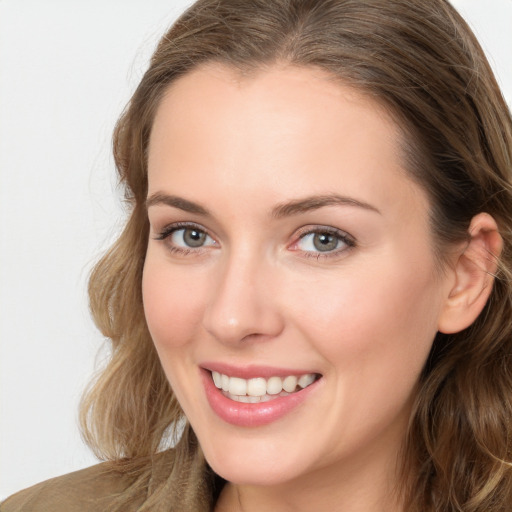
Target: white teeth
[
  {"x": 306, "y": 380},
  {"x": 260, "y": 389},
  {"x": 217, "y": 379},
  {"x": 289, "y": 383},
  {"x": 256, "y": 387},
  {"x": 274, "y": 385},
  {"x": 237, "y": 386},
  {"x": 246, "y": 399},
  {"x": 224, "y": 382}
]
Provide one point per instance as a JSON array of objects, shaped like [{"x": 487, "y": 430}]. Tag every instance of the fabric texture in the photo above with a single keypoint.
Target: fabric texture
[
  {"x": 91, "y": 489},
  {"x": 187, "y": 485}
]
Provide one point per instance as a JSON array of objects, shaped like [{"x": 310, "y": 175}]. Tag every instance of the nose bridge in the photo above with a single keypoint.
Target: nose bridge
[{"x": 240, "y": 305}]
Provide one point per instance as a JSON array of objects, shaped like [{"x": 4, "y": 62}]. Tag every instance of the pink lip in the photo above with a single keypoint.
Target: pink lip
[
  {"x": 252, "y": 371},
  {"x": 252, "y": 415}
]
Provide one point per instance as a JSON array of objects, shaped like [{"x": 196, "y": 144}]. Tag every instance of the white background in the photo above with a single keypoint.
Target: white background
[{"x": 67, "y": 68}]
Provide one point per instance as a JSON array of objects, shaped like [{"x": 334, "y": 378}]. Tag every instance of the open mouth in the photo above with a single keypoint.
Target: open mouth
[{"x": 259, "y": 389}]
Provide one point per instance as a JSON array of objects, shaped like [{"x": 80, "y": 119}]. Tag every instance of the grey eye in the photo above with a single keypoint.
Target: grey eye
[
  {"x": 325, "y": 241},
  {"x": 191, "y": 238},
  {"x": 321, "y": 242}
]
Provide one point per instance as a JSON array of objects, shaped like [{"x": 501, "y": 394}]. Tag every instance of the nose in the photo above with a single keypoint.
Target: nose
[{"x": 243, "y": 306}]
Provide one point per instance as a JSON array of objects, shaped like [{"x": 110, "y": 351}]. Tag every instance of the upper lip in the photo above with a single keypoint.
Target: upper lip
[{"x": 252, "y": 371}]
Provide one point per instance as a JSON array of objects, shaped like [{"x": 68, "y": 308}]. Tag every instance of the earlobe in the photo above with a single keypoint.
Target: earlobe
[{"x": 473, "y": 275}]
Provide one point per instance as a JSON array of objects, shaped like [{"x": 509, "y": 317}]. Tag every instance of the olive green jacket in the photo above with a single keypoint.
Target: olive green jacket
[
  {"x": 167, "y": 486},
  {"x": 87, "y": 490}
]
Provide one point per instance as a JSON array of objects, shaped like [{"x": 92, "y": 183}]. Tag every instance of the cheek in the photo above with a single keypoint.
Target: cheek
[
  {"x": 172, "y": 304},
  {"x": 375, "y": 333},
  {"x": 376, "y": 324}
]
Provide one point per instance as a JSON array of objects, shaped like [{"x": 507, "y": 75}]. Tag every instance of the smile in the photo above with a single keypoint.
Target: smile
[
  {"x": 261, "y": 398},
  {"x": 259, "y": 389}
]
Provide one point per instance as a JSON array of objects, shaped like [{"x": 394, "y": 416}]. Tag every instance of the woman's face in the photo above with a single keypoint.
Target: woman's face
[{"x": 288, "y": 247}]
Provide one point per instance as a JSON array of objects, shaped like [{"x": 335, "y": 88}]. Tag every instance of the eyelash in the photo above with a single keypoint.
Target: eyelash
[
  {"x": 342, "y": 236},
  {"x": 169, "y": 230}
]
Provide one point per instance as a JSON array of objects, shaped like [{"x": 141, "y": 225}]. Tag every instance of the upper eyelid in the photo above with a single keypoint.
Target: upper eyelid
[
  {"x": 301, "y": 232},
  {"x": 175, "y": 226}
]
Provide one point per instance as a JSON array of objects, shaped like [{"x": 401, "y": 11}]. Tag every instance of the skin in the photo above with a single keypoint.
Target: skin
[{"x": 364, "y": 317}]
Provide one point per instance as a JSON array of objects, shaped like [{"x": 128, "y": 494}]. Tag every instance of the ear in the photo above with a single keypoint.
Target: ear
[{"x": 473, "y": 275}]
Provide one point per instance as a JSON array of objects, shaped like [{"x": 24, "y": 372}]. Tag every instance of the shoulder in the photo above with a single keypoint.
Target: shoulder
[{"x": 89, "y": 489}]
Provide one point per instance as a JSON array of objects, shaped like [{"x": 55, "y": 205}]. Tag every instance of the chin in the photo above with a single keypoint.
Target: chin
[
  {"x": 247, "y": 474},
  {"x": 254, "y": 467}
]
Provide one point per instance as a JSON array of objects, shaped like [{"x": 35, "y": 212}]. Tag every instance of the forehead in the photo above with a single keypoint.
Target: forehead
[{"x": 280, "y": 132}]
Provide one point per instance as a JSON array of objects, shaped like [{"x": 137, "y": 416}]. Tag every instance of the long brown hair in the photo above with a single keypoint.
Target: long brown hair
[{"x": 422, "y": 62}]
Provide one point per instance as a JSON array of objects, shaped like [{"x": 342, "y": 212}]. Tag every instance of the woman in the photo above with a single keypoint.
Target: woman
[{"x": 309, "y": 306}]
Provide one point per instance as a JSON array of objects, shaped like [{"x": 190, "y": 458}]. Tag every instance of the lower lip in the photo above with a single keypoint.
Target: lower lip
[{"x": 252, "y": 415}]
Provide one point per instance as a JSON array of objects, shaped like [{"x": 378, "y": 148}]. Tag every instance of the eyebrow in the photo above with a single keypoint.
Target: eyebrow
[
  {"x": 315, "y": 202},
  {"x": 286, "y": 209},
  {"x": 176, "y": 202}
]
